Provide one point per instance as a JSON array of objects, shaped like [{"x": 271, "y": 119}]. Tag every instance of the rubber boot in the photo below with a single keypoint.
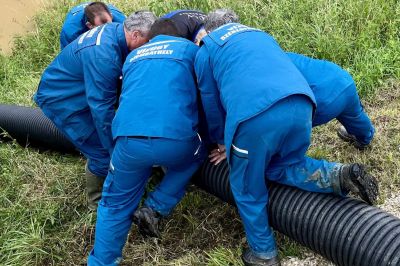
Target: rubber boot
[
  {"x": 251, "y": 259},
  {"x": 354, "y": 178},
  {"x": 94, "y": 187},
  {"x": 157, "y": 174},
  {"x": 344, "y": 135},
  {"x": 147, "y": 221}
]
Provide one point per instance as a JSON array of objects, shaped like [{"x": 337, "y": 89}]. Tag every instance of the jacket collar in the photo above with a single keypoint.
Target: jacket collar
[{"x": 122, "y": 40}]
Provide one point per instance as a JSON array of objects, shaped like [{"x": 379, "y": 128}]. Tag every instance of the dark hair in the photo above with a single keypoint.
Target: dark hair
[
  {"x": 164, "y": 26},
  {"x": 95, "y": 9}
]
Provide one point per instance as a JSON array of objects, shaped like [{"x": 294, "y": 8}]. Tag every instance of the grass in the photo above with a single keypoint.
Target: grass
[{"x": 43, "y": 217}]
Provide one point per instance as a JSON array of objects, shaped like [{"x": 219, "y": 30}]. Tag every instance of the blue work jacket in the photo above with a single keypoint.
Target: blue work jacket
[
  {"x": 159, "y": 92},
  {"x": 77, "y": 90},
  {"x": 188, "y": 22},
  {"x": 326, "y": 79},
  {"x": 241, "y": 72},
  {"x": 75, "y": 22}
]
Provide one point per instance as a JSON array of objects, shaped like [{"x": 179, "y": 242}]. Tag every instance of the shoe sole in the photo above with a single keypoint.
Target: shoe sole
[
  {"x": 147, "y": 226},
  {"x": 367, "y": 186}
]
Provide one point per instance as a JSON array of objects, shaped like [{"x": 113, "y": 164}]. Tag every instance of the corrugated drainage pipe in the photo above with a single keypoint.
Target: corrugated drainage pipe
[
  {"x": 344, "y": 230},
  {"x": 30, "y": 127}
]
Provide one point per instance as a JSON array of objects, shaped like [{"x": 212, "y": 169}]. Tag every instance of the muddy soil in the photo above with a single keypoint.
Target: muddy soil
[{"x": 16, "y": 19}]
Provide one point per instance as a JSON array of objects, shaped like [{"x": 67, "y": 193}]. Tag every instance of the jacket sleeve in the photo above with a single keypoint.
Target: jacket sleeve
[
  {"x": 63, "y": 39},
  {"x": 101, "y": 81},
  {"x": 209, "y": 93},
  {"x": 118, "y": 16}
]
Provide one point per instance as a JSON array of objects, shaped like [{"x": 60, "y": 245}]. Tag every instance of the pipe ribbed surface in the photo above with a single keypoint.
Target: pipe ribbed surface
[
  {"x": 346, "y": 231},
  {"x": 30, "y": 127}
]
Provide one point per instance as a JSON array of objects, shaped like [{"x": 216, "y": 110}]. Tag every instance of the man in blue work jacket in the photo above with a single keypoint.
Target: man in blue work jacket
[
  {"x": 77, "y": 91},
  {"x": 336, "y": 96},
  {"x": 189, "y": 23},
  {"x": 156, "y": 123},
  {"x": 85, "y": 17},
  {"x": 259, "y": 105}
]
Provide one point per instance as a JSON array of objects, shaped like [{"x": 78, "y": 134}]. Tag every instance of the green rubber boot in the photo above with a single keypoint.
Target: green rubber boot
[{"x": 94, "y": 187}]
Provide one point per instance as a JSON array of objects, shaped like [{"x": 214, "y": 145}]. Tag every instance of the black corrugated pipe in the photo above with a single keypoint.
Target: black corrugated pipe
[
  {"x": 30, "y": 127},
  {"x": 344, "y": 230}
]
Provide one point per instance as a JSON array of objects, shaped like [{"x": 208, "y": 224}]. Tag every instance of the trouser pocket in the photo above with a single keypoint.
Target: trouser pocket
[
  {"x": 107, "y": 186},
  {"x": 239, "y": 161}
]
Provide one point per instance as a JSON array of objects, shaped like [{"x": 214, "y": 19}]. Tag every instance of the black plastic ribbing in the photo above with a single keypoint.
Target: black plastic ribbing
[
  {"x": 29, "y": 126},
  {"x": 344, "y": 230}
]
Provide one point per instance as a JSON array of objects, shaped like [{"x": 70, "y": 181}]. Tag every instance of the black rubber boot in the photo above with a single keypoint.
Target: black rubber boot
[
  {"x": 147, "y": 221},
  {"x": 354, "y": 178},
  {"x": 94, "y": 187},
  {"x": 157, "y": 174},
  {"x": 251, "y": 259},
  {"x": 344, "y": 135}
]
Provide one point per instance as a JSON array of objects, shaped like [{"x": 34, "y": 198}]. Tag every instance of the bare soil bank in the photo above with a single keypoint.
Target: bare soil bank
[{"x": 16, "y": 19}]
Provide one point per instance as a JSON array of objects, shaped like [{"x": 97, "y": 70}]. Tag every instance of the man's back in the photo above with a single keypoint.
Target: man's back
[
  {"x": 188, "y": 22},
  {"x": 326, "y": 79},
  {"x": 251, "y": 70},
  {"x": 77, "y": 75},
  {"x": 159, "y": 96}
]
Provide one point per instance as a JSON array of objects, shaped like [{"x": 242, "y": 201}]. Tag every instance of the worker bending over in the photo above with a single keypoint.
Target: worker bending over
[
  {"x": 86, "y": 16},
  {"x": 260, "y": 107},
  {"x": 336, "y": 96},
  {"x": 155, "y": 124},
  {"x": 77, "y": 91},
  {"x": 189, "y": 23}
]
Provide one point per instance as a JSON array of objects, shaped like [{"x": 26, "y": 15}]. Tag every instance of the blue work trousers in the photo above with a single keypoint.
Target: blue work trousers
[
  {"x": 272, "y": 146},
  {"x": 348, "y": 110},
  {"x": 130, "y": 169},
  {"x": 98, "y": 158}
]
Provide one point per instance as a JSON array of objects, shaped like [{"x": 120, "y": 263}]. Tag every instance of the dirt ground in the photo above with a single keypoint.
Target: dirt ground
[{"x": 16, "y": 19}]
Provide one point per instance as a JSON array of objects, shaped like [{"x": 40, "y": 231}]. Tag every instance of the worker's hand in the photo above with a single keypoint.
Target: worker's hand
[{"x": 218, "y": 155}]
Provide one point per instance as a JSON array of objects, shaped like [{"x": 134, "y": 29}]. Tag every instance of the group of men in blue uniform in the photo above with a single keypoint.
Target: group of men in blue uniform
[{"x": 260, "y": 105}]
